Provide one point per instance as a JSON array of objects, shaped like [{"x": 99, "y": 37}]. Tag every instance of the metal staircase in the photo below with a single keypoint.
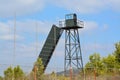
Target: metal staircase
[{"x": 50, "y": 45}]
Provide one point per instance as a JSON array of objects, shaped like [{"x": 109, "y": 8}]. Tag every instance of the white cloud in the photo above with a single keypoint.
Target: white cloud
[
  {"x": 82, "y": 6},
  {"x": 88, "y": 6},
  {"x": 102, "y": 48},
  {"x": 89, "y": 27},
  {"x": 105, "y": 27},
  {"x": 21, "y": 7},
  {"x": 9, "y": 7},
  {"x": 4, "y": 28},
  {"x": 114, "y": 4},
  {"x": 10, "y": 37},
  {"x": 23, "y": 28},
  {"x": 25, "y": 38},
  {"x": 29, "y": 26}
]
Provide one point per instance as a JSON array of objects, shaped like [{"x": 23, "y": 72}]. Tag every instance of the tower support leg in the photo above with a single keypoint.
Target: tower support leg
[{"x": 73, "y": 55}]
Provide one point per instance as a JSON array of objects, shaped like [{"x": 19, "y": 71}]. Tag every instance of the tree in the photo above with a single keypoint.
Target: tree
[
  {"x": 94, "y": 63},
  {"x": 109, "y": 63},
  {"x": 1, "y": 78},
  {"x": 18, "y": 73},
  {"x": 117, "y": 57},
  {"x": 117, "y": 52},
  {"x": 40, "y": 68},
  {"x": 8, "y": 73}
]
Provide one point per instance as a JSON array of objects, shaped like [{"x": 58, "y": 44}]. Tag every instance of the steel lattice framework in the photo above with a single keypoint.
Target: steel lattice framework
[{"x": 73, "y": 55}]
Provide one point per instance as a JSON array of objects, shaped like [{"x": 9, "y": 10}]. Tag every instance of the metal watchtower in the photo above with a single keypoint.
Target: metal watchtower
[{"x": 73, "y": 55}]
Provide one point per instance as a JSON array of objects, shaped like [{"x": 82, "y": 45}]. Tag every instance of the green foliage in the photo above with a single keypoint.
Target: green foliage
[
  {"x": 63, "y": 78},
  {"x": 117, "y": 52},
  {"x": 18, "y": 73},
  {"x": 106, "y": 65},
  {"x": 1, "y": 78},
  {"x": 40, "y": 68},
  {"x": 94, "y": 58},
  {"x": 109, "y": 63},
  {"x": 8, "y": 73},
  {"x": 94, "y": 64}
]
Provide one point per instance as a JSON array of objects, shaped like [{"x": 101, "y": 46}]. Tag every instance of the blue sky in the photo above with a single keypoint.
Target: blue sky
[{"x": 100, "y": 33}]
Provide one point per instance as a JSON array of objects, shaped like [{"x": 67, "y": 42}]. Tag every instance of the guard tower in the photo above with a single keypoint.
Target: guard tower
[{"x": 73, "y": 55}]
